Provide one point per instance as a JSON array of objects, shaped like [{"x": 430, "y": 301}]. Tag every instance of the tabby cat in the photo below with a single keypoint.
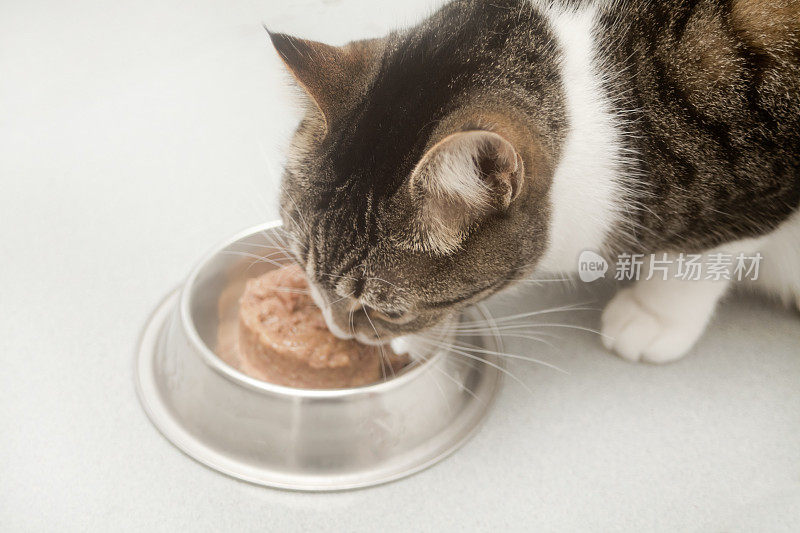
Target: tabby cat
[{"x": 499, "y": 139}]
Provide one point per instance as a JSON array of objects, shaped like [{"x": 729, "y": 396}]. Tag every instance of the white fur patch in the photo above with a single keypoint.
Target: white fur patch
[
  {"x": 658, "y": 320},
  {"x": 780, "y": 271},
  {"x": 327, "y": 312},
  {"x": 421, "y": 346},
  {"x": 587, "y": 193}
]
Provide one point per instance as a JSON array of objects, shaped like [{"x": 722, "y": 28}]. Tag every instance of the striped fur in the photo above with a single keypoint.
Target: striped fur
[{"x": 641, "y": 126}]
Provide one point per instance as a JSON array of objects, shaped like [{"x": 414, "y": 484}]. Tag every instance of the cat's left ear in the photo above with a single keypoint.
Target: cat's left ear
[
  {"x": 462, "y": 179},
  {"x": 327, "y": 73}
]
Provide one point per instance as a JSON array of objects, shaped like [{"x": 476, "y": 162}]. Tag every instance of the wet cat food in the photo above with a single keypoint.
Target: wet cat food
[{"x": 281, "y": 337}]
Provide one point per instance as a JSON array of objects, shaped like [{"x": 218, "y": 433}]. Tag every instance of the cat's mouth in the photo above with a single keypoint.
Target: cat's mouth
[
  {"x": 372, "y": 340},
  {"x": 346, "y": 329},
  {"x": 359, "y": 327},
  {"x": 334, "y": 328},
  {"x": 348, "y": 319},
  {"x": 409, "y": 334}
]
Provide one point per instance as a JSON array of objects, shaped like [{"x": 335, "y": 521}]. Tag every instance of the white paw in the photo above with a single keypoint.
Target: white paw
[{"x": 637, "y": 333}]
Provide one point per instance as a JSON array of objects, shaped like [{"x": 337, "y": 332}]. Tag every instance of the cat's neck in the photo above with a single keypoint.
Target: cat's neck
[{"x": 587, "y": 194}]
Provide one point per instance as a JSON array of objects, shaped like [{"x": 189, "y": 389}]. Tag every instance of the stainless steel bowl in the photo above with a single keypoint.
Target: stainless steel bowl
[{"x": 298, "y": 438}]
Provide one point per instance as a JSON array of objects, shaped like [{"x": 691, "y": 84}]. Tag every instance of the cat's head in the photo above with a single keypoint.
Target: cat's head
[{"x": 412, "y": 188}]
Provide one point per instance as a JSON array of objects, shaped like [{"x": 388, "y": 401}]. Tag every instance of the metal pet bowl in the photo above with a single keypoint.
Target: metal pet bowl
[{"x": 298, "y": 438}]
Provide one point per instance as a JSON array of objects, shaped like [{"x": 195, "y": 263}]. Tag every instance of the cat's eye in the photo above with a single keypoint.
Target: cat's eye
[{"x": 389, "y": 316}]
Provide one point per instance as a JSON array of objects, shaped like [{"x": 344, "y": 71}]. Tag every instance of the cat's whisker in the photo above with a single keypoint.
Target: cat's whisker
[
  {"x": 340, "y": 276},
  {"x": 385, "y": 281},
  {"x": 278, "y": 254},
  {"x": 251, "y": 255},
  {"x": 458, "y": 384},
  {"x": 283, "y": 235},
  {"x": 285, "y": 214},
  {"x": 489, "y": 329},
  {"x": 527, "y": 326},
  {"x": 276, "y": 238},
  {"x": 375, "y": 278},
  {"x": 479, "y": 359},
  {"x": 257, "y": 258},
  {"x": 273, "y": 240},
  {"x": 453, "y": 349},
  {"x": 472, "y": 348},
  {"x": 305, "y": 224},
  {"x": 519, "y": 316},
  {"x": 278, "y": 247},
  {"x": 464, "y": 344},
  {"x": 384, "y": 358},
  {"x": 348, "y": 295},
  {"x": 422, "y": 357},
  {"x": 288, "y": 240},
  {"x": 510, "y": 321},
  {"x": 536, "y": 337}
]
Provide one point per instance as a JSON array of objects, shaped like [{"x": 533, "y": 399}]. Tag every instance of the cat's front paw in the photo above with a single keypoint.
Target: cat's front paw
[{"x": 637, "y": 333}]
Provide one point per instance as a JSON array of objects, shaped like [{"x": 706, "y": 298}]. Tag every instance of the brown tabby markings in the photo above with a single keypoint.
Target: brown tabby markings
[
  {"x": 707, "y": 95},
  {"x": 772, "y": 25}
]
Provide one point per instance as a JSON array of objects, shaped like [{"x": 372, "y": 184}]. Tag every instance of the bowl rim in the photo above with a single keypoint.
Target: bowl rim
[{"x": 217, "y": 364}]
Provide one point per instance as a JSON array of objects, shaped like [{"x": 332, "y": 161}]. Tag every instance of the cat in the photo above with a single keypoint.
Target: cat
[{"x": 499, "y": 139}]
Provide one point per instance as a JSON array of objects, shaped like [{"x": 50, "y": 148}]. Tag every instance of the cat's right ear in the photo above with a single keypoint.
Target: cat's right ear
[
  {"x": 462, "y": 179},
  {"x": 327, "y": 73}
]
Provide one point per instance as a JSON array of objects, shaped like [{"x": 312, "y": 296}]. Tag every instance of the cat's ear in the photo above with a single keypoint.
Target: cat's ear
[
  {"x": 327, "y": 73},
  {"x": 462, "y": 179}
]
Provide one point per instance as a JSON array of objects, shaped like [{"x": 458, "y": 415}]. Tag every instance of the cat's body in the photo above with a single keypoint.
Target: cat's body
[
  {"x": 502, "y": 138},
  {"x": 711, "y": 151}
]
